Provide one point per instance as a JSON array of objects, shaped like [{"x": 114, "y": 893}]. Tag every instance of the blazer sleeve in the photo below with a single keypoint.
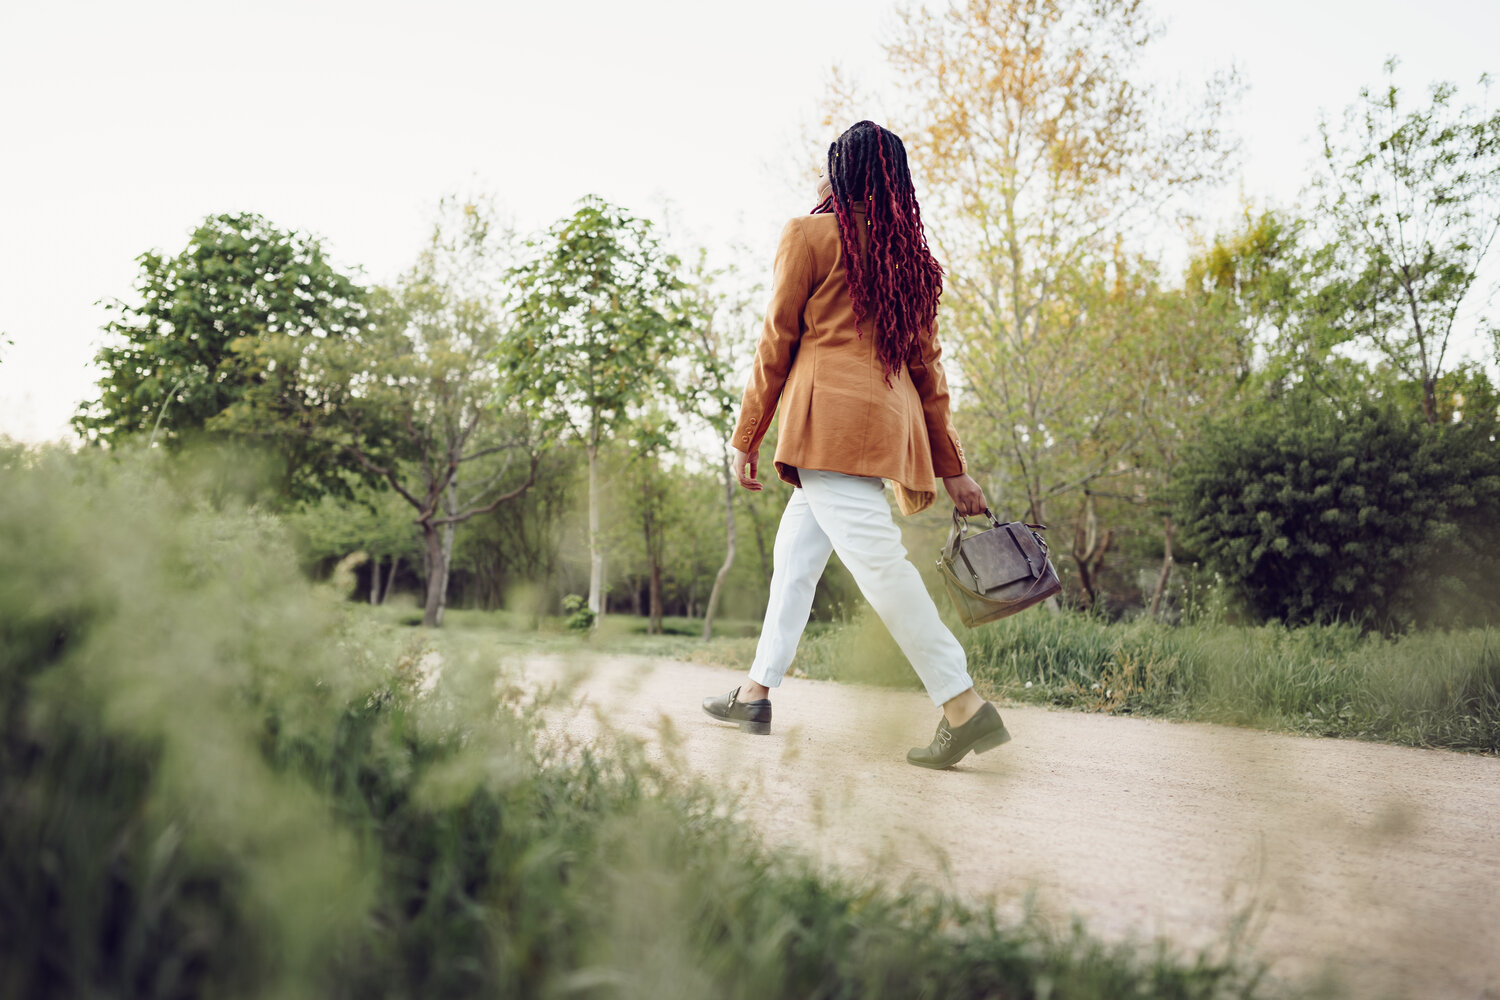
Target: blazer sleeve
[
  {"x": 932, "y": 386},
  {"x": 791, "y": 285}
]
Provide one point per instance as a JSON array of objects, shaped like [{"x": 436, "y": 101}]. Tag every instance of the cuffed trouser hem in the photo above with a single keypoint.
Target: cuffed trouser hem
[{"x": 849, "y": 515}]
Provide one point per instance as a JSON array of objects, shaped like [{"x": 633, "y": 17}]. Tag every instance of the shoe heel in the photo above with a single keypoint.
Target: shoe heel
[
  {"x": 758, "y": 728},
  {"x": 991, "y": 740}
]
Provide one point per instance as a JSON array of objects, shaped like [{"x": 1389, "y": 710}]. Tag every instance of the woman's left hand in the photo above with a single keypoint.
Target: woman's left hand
[{"x": 966, "y": 494}]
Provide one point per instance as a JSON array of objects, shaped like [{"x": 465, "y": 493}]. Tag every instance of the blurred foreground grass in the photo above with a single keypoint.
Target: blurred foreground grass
[{"x": 219, "y": 780}]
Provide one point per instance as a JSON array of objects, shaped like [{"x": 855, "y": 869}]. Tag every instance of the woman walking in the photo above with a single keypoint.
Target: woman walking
[{"x": 849, "y": 352}]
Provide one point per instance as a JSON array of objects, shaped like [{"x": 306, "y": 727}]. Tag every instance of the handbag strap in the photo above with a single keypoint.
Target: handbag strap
[{"x": 961, "y": 530}]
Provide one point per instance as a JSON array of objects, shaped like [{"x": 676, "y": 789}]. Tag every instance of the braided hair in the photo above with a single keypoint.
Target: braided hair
[{"x": 895, "y": 285}]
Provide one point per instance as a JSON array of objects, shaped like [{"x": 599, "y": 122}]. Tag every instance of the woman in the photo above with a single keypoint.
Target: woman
[{"x": 850, "y": 353}]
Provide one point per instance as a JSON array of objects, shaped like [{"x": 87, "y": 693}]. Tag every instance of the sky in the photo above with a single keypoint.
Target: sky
[{"x": 124, "y": 124}]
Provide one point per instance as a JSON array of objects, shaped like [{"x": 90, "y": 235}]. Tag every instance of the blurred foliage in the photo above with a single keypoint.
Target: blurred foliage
[
  {"x": 1318, "y": 509},
  {"x": 212, "y": 785},
  {"x": 579, "y": 617},
  {"x": 375, "y": 521}
]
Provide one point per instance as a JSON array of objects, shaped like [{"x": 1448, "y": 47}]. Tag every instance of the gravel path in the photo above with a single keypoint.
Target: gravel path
[{"x": 1374, "y": 863}]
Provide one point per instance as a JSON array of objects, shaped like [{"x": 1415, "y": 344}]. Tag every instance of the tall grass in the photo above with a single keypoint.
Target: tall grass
[
  {"x": 1429, "y": 688},
  {"x": 214, "y": 782}
]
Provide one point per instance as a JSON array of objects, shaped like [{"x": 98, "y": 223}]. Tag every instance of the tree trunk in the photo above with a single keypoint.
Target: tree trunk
[
  {"x": 1089, "y": 547},
  {"x": 653, "y": 560},
  {"x": 1166, "y": 567},
  {"x": 596, "y": 550},
  {"x": 374, "y": 581},
  {"x": 760, "y": 544},
  {"x": 713, "y": 595},
  {"x": 1038, "y": 508},
  {"x": 437, "y": 574},
  {"x": 390, "y": 579},
  {"x": 654, "y": 627},
  {"x": 451, "y": 506}
]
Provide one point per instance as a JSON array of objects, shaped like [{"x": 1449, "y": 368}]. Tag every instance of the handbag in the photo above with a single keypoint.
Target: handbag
[{"x": 998, "y": 571}]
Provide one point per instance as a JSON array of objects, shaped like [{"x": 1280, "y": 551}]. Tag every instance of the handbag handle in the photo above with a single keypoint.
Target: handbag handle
[
  {"x": 961, "y": 530},
  {"x": 961, "y": 522}
]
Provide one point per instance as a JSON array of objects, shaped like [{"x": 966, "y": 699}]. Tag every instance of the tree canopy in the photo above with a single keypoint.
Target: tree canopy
[{"x": 213, "y": 324}]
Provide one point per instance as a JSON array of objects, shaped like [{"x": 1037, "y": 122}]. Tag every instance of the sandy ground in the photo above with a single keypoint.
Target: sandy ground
[{"x": 1376, "y": 864}]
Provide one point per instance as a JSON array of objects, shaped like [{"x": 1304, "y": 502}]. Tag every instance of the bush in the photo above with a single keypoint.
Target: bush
[
  {"x": 580, "y": 617},
  {"x": 211, "y": 785},
  {"x": 1365, "y": 514}
]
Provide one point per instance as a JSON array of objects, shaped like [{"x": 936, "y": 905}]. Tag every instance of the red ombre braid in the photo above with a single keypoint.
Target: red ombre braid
[{"x": 896, "y": 283}]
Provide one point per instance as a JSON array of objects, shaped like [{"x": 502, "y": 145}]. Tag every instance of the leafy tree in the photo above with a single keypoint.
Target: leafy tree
[
  {"x": 719, "y": 317},
  {"x": 413, "y": 399},
  {"x": 596, "y": 322},
  {"x": 376, "y": 522},
  {"x": 1316, "y": 509},
  {"x": 515, "y": 551},
  {"x": 192, "y": 347},
  {"x": 1413, "y": 201},
  {"x": 647, "y": 491},
  {"x": 1040, "y": 151},
  {"x": 1198, "y": 354}
]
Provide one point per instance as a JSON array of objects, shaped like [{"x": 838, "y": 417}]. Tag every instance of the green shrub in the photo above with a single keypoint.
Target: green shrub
[
  {"x": 216, "y": 780},
  {"x": 1317, "y": 511},
  {"x": 580, "y": 617}
]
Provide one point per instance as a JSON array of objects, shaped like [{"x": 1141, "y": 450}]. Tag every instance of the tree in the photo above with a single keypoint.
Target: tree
[
  {"x": 514, "y": 551},
  {"x": 596, "y": 322},
  {"x": 718, "y": 316},
  {"x": 189, "y": 349},
  {"x": 652, "y": 493},
  {"x": 377, "y": 522},
  {"x": 1198, "y": 354},
  {"x": 413, "y": 399},
  {"x": 1041, "y": 153},
  {"x": 1413, "y": 202}
]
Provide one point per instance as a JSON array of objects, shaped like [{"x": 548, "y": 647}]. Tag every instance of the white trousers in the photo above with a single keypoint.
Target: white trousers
[{"x": 849, "y": 515}]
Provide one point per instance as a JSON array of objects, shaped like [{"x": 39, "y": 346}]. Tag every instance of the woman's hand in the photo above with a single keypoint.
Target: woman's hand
[
  {"x": 750, "y": 459},
  {"x": 966, "y": 494}
]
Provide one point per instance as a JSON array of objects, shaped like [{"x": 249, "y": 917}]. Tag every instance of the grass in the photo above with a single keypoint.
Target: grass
[
  {"x": 1426, "y": 689},
  {"x": 219, "y": 780}
]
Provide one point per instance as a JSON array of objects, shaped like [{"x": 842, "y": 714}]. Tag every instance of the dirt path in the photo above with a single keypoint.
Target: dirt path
[{"x": 1380, "y": 864}]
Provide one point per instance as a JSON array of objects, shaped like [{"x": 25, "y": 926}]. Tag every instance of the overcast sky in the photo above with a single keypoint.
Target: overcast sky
[{"x": 123, "y": 124}]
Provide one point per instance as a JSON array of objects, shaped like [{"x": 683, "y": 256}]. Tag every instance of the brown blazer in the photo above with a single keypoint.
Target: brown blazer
[{"x": 837, "y": 413}]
